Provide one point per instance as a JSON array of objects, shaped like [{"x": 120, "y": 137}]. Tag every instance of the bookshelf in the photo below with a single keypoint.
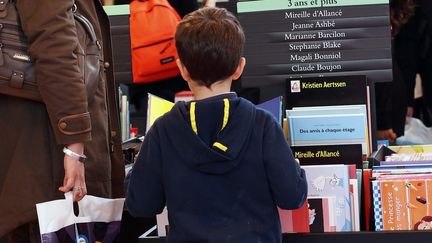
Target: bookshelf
[{"x": 353, "y": 237}]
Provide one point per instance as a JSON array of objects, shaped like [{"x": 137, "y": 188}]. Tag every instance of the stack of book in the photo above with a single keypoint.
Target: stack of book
[
  {"x": 332, "y": 204},
  {"x": 325, "y": 111},
  {"x": 401, "y": 189},
  {"x": 328, "y": 129},
  {"x": 324, "y": 125}
]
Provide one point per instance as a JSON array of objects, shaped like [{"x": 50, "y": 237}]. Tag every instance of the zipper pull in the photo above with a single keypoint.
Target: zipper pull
[
  {"x": 166, "y": 47},
  {"x": 1, "y": 55}
]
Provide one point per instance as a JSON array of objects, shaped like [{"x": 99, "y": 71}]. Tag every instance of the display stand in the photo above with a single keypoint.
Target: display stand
[{"x": 352, "y": 237}]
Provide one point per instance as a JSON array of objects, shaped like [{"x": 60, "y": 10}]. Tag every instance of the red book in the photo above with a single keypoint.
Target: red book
[
  {"x": 295, "y": 221},
  {"x": 367, "y": 175}
]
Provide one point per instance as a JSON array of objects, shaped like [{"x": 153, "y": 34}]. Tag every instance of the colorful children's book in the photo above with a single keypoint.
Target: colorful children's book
[
  {"x": 156, "y": 107},
  {"x": 405, "y": 204},
  {"x": 332, "y": 181}
]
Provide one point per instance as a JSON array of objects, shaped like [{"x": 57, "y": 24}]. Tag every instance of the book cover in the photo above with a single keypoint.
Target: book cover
[
  {"x": 332, "y": 181},
  {"x": 274, "y": 106},
  {"x": 300, "y": 219},
  {"x": 377, "y": 208},
  {"x": 285, "y": 217},
  {"x": 367, "y": 175},
  {"x": 405, "y": 204},
  {"x": 295, "y": 221},
  {"x": 319, "y": 129},
  {"x": 327, "y": 129},
  {"x": 317, "y": 208},
  {"x": 357, "y": 113},
  {"x": 394, "y": 205},
  {"x": 156, "y": 107}
]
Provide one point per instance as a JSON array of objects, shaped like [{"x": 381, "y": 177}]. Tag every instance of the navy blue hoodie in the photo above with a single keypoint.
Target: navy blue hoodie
[{"x": 214, "y": 195}]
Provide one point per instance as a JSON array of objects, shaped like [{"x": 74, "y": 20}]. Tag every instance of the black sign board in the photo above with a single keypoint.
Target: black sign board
[{"x": 292, "y": 39}]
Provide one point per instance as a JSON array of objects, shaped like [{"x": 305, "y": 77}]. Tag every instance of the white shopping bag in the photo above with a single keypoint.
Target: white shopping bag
[
  {"x": 98, "y": 220},
  {"x": 415, "y": 133}
]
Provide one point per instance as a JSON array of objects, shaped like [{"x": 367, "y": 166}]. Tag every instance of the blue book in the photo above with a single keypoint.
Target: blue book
[
  {"x": 329, "y": 125},
  {"x": 376, "y": 195},
  {"x": 332, "y": 181},
  {"x": 327, "y": 128},
  {"x": 274, "y": 106}
]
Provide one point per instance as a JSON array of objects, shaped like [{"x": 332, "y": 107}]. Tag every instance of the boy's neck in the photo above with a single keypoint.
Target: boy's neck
[{"x": 202, "y": 92}]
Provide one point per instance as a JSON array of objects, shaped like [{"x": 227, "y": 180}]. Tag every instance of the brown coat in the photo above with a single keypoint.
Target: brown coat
[{"x": 33, "y": 134}]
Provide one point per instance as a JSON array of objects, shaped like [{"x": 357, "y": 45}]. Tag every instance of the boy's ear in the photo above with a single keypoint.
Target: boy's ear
[
  {"x": 183, "y": 71},
  {"x": 239, "y": 69}
]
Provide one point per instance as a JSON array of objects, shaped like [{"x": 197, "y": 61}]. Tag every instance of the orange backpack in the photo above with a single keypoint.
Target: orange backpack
[{"x": 153, "y": 25}]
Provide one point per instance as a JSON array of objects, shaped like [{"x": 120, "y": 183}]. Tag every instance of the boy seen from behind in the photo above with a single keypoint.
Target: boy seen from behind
[{"x": 220, "y": 165}]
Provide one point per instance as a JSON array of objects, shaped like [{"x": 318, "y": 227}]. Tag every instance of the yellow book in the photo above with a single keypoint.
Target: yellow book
[{"x": 156, "y": 107}]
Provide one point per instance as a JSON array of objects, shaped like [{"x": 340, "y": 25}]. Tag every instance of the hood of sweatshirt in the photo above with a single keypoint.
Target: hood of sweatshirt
[{"x": 205, "y": 146}]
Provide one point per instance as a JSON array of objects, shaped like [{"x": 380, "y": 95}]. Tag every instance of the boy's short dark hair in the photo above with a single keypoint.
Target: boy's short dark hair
[{"x": 210, "y": 44}]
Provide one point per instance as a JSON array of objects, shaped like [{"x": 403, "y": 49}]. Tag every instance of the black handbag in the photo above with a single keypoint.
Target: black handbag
[{"x": 17, "y": 76}]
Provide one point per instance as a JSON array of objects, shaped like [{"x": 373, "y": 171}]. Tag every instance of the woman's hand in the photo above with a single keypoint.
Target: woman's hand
[
  {"x": 209, "y": 3},
  {"x": 388, "y": 134},
  {"x": 74, "y": 173}
]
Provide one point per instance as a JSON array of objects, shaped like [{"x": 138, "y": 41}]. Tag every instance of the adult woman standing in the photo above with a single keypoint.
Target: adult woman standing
[{"x": 34, "y": 135}]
